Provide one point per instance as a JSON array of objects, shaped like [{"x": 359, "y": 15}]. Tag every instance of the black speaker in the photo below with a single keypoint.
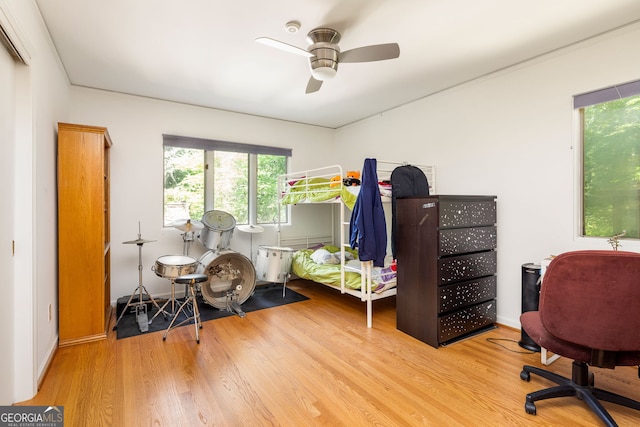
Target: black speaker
[{"x": 530, "y": 300}]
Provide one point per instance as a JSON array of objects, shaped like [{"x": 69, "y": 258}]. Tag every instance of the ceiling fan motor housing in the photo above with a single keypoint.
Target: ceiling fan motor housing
[
  {"x": 324, "y": 48},
  {"x": 324, "y": 62}
]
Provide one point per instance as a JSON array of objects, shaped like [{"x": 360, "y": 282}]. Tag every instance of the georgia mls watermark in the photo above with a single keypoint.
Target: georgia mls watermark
[{"x": 31, "y": 416}]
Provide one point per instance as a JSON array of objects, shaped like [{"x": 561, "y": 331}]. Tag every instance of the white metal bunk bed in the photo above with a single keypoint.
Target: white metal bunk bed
[{"x": 317, "y": 186}]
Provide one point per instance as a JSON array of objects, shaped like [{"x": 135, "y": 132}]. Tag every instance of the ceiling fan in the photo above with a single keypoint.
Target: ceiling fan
[{"x": 324, "y": 54}]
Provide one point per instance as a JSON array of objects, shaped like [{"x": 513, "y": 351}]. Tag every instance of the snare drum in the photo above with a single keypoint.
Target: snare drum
[
  {"x": 274, "y": 263},
  {"x": 217, "y": 231},
  {"x": 229, "y": 273},
  {"x": 172, "y": 266}
]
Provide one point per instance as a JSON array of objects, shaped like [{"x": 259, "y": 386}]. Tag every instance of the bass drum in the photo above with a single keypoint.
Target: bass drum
[{"x": 226, "y": 271}]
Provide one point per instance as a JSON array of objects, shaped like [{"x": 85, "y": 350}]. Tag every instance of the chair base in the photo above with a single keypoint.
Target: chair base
[{"x": 581, "y": 385}]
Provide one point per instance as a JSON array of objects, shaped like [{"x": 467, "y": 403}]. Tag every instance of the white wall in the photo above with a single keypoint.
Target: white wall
[
  {"x": 136, "y": 126},
  {"x": 511, "y": 134}
]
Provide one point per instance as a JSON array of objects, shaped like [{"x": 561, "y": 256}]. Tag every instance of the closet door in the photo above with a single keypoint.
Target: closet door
[{"x": 7, "y": 222}]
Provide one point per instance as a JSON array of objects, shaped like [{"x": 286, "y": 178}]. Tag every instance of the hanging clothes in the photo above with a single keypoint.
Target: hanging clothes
[
  {"x": 406, "y": 181},
  {"x": 368, "y": 227}
]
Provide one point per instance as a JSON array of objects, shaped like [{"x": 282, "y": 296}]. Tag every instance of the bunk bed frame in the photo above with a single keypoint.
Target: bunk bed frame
[{"x": 310, "y": 187}]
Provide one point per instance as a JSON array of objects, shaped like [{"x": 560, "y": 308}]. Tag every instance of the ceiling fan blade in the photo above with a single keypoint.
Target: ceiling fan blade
[
  {"x": 313, "y": 85},
  {"x": 283, "y": 46},
  {"x": 377, "y": 52}
]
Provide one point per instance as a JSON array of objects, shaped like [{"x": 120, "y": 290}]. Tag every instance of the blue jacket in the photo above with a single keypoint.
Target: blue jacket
[{"x": 368, "y": 227}]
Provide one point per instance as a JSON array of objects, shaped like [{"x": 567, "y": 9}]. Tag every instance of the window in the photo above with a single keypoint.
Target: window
[
  {"x": 202, "y": 175},
  {"x": 610, "y": 124}
]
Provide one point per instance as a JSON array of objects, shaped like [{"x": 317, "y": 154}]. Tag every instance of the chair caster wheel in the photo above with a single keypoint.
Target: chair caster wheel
[
  {"x": 530, "y": 408},
  {"x": 198, "y": 341},
  {"x": 525, "y": 376},
  {"x": 164, "y": 338}
]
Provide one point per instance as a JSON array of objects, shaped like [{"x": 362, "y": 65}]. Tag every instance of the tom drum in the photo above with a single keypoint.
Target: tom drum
[
  {"x": 218, "y": 230},
  {"x": 172, "y": 266},
  {"x": 229, "y": 273},
  {"x": 274, "y": 263}
]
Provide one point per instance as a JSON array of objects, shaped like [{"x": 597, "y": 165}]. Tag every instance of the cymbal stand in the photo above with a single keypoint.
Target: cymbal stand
[
  {"x": 140, "y": 305},
  {"x": 188, "y": 237}
]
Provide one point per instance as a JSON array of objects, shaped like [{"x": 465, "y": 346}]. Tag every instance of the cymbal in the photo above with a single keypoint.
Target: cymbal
[
  {"x": 187, "y": 225},
  {"x": 249, "y": 228},
  {"x": 138, "y": 241}
]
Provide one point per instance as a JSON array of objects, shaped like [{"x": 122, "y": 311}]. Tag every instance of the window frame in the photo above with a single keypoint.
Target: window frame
[
  {"x": 580, "y": 101},
  {"x": 211, "y": 145}
]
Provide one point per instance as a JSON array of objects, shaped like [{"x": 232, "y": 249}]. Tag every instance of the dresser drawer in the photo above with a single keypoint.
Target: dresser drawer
[
  {"x": 456, "y": 214},
  {"x": 466, "y": 320},
  {"x": 459, "y": 295},
  {"x": 464, "y": 240},
  {"x": 466, "y": 267}
]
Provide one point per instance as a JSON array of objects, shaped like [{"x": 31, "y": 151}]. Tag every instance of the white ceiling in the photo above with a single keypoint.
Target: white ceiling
[{"x": 203, "y": 52}]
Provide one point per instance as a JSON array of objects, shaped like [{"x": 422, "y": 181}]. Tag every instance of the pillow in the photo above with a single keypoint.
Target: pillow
[{"x": 323, "y": 256}]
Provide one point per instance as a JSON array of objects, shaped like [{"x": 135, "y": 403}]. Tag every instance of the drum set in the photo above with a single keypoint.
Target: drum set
[{"x": 224, "y": 278}]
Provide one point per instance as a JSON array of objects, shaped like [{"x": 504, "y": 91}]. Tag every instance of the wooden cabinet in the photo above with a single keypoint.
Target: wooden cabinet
[
  {"x": 84, "y": 250},
  {"x": 446, "y": 250}
]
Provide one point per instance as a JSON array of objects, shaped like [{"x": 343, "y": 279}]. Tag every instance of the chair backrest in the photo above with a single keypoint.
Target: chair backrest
[{"x": 592, "y": 298}]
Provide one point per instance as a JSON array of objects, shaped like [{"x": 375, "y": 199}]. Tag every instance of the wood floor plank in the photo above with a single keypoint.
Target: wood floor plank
[{"x": 312, "y": 363}]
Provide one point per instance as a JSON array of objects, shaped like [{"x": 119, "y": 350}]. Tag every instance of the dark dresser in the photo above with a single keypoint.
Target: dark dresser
[{"x": 446, "y": 254}]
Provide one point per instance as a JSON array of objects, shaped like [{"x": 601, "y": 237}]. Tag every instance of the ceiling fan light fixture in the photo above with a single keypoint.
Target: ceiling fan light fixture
[{"x": 323, "y": 73}]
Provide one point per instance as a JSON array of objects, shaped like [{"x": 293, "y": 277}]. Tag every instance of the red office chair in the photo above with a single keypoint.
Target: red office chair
[{"x": 589, "y": 311}]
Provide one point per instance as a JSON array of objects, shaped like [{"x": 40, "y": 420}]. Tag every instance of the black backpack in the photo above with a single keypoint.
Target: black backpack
[{"x": 406, "y": 181}]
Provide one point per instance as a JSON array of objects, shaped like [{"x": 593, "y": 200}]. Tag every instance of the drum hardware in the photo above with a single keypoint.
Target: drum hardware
[
  {"x": 142, "y": 318},
  {"x": 140, "y": 305},
  {"x": 231, "y": 299},
  {"x": 171, "y": 267},
  {"x": 190, "y": 228},
  {"x": 218, "y": 230},
  {"x": 233, "y": 306},
  {"x": 171, "y": 300},
  {"x": 251, "y": 229},
  {"x": 190, "y": 280},
  {"x": 274, "y": 265}
]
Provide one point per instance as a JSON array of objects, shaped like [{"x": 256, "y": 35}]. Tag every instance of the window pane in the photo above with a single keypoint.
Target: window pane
[
  {"x": 269, "y": 167},
  {"x": 611, "y": 168},
  {"x": 231, "y": 184},
  {"x": 242, "y": 182},
  {"x": 183, "y": 184}
]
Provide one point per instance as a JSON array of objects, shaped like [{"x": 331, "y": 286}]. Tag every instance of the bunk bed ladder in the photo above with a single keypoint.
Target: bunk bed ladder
[{"x": 343, "y": 244}]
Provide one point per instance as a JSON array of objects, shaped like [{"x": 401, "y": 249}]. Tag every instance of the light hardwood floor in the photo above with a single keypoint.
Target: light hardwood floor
[{"x": 312, "y": 363}]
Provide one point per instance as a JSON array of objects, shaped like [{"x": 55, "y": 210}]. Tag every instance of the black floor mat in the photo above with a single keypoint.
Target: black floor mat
[{"x": 265, "y": 296}]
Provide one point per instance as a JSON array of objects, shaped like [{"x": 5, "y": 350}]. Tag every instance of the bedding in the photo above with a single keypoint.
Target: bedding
[
  {"x": 316, "y": 190},
  {"x": 304, "y": 266}
]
